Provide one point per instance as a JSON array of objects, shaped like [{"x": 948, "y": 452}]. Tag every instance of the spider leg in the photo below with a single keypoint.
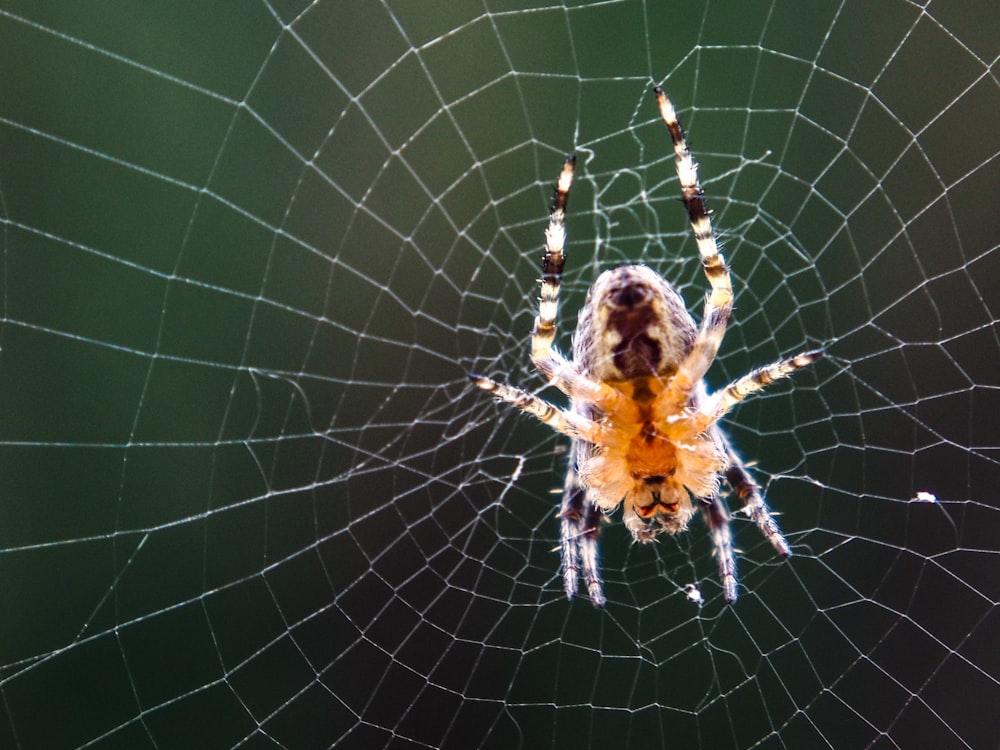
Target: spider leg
[
  {"x": 719, "y": 303},
  {"x": 716, "y": 405},
  {"x": 553, "y": 365},
  {"x": 746, "y": 488},
  {"x": 544, "y": 333},
  {"x": 713, "y": 509},
  {"x": 581, "y": 524},
  {"x": 694, "y": 201},
  {"x": 567, "y": 422}
]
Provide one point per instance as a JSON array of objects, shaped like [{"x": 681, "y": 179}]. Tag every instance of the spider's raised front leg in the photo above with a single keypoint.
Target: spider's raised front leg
[
  {"x": 544, "y": 355},
  {"x": 543, "y": 335},
  {"x": 719, "y": 304},
  {"x": 580, "y": 525}
]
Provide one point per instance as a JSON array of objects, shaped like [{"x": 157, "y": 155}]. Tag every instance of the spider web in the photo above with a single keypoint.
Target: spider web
[{"x": 248, "y": 497}]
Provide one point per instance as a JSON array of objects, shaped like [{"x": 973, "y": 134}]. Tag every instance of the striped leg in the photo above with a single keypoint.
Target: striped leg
[
  {"x": 581, "y": 523},
  {"x": 567, "y": 422},
  {"x": 713, "y": 509},
  {"x": 716, "y": 405},
  {"x": 719, "y": 304},
  {"x": 746, "y": 488},
  {"x": 561, "y": 373},
  {"x": 543, "y": 335}
]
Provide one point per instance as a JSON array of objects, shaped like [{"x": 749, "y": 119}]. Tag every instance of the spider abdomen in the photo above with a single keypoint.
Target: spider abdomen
[{"x": 633, "y": 324}]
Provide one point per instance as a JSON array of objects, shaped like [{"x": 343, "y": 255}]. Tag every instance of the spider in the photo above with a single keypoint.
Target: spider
[{"x": 644, "y": 428}]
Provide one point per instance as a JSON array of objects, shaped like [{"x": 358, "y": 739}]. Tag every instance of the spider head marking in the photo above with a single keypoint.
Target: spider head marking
[{"x": 633, "y": 325}]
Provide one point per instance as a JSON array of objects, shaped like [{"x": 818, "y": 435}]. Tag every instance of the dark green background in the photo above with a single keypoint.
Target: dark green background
[{"x": 249, "y": 251}]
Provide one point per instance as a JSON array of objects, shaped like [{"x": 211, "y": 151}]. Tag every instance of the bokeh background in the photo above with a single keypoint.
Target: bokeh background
[{"x": 249, "y": 252}]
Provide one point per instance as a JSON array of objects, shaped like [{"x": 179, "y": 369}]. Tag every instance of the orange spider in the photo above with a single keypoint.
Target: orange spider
[{"x": 644, "y": 427}]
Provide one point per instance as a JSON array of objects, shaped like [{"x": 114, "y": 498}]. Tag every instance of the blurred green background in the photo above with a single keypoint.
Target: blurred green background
[{"x": 249, "y": 252}]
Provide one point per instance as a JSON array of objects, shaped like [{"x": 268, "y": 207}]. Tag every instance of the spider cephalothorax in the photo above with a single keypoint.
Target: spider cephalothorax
[{"x": 644, "y": 428}]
